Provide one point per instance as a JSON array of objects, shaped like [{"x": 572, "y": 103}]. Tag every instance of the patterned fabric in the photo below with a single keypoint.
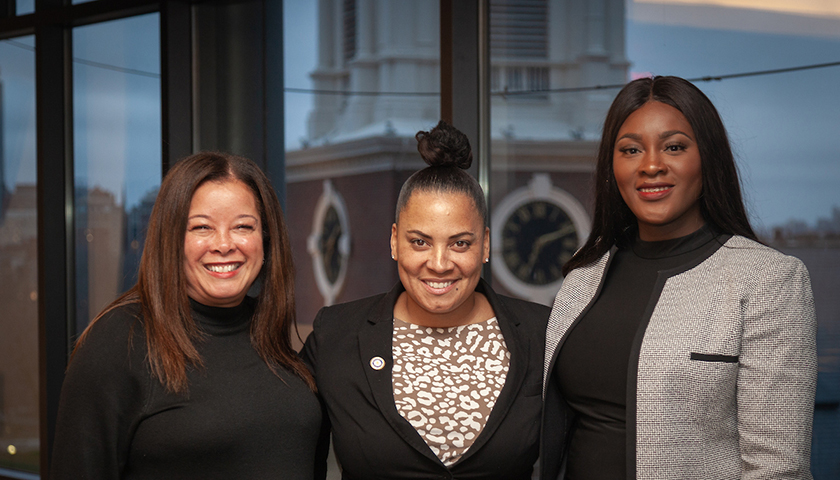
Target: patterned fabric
[
  {"x": 698, "y": 414},
  {"x": 446, "y": 381}
]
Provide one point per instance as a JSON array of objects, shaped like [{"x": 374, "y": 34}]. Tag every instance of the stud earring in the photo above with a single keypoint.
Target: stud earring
[{"x": 487, "y": 260}]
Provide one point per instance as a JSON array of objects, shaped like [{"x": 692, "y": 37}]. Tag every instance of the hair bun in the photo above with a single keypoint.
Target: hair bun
[{"x": 444, "y": 146}]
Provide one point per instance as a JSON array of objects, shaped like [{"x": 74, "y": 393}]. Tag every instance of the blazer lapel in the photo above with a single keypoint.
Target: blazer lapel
[
  {"x": 519, "y": 360},
  {"x": 375, "y": 340},
  {"x": 568, "y": 309}
]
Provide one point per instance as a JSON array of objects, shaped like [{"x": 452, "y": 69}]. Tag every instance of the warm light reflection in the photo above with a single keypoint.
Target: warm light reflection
[{"x": 817, "y": 8}]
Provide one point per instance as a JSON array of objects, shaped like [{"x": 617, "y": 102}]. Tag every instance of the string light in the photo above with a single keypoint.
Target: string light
[{"x": 504, "y": 93}]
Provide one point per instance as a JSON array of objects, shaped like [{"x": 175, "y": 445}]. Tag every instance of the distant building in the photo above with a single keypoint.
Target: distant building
[
  {"x": 100, "y": 223},
  {"x": 136, "y": 224},
  {"x": 19, "y": 297}
]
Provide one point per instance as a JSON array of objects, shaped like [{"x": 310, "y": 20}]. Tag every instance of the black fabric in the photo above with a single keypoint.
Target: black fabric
[
  {"x": 704, "y": 357},
  {"x": 238, "y": 419},
  {"x": 372, "y": 441},
  {"x": 593, "y": 363}
]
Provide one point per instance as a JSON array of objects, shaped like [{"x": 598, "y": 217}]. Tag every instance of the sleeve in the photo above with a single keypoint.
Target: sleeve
[
  {"x": 101, "y": 401},
  {"x": 778, "y": 374},
  {"x": 309, "y": 355},
  {"x": 322, "y": 450}
]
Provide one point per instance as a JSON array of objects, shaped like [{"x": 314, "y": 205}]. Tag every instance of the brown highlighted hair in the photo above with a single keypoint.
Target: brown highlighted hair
[
  {"x": 160, "y": 290},
  {"x": 721, "y": 203}
]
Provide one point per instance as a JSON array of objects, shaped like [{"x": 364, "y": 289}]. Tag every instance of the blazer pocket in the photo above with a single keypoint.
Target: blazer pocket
[{"x": 705, "y": 357}]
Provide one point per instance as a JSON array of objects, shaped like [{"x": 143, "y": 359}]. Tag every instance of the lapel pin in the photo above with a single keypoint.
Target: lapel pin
[{"x": 377, "y": 363}]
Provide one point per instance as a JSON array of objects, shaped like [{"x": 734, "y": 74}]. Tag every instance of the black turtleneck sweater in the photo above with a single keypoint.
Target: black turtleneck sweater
[
  {"x": 592, "y": 366},
  {"x": 238, "y": 419}
]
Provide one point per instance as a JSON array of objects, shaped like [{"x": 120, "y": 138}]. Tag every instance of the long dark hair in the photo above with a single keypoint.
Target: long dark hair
[
  {"x": 161, "y": 290},
  {"x": 721, "y": 203},
  {"x": 447, "y": 152}
]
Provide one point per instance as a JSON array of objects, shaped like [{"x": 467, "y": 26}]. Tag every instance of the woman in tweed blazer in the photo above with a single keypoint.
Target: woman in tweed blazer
[{"x": 679, "y": 346}]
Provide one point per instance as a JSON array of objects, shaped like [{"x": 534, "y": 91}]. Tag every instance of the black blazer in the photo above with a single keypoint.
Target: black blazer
[{"x": 370, "y": 438}]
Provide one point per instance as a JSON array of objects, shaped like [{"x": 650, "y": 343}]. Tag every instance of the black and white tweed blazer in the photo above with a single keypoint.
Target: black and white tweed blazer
[{"x": 722, "y": 373}]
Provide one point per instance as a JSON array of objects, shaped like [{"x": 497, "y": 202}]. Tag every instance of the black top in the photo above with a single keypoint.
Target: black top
[
  {"x": 350, "y": 351},
  {"x": 592, "y": 366},
  {"x": 238, "y": 419}
]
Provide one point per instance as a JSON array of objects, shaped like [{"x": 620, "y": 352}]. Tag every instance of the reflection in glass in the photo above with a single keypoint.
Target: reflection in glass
[
  {"x": 23, "y": 7},
  {"x": 382, "y": 60},
  {"x": 117, "y": 154},
  {"x": 544, "y": 139},
  {"x": 19, "y": 447},
  {"x": 784, "y": 130}
]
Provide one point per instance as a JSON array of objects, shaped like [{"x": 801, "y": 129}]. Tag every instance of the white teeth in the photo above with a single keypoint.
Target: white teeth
[
  {"x": 654, "y": 190},
  {"x": 223, "y": 268},
  {"x": 439, "y": 284}
]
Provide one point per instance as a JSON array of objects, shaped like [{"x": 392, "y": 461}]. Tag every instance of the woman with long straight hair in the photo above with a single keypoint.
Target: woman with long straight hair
[
  {"x": 185, "y": 375},
  {"x": 679, "y": 346}
]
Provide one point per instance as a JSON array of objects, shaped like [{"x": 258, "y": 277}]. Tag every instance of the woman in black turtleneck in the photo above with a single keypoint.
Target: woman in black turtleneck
[
  {"x": 185, "y": 375},
  {"x": 679, "y": 347}
]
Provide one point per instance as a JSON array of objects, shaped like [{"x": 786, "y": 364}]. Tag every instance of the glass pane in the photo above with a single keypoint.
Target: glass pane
[
  {"x": 783, "y": 127},
  {"x": 19, "y": 447},
  {"x": 349, "y": 152},
  {"x": 117, "y": 152},
  {"x": 24, "y": 7},
  {"x": 544, "y": 143}
]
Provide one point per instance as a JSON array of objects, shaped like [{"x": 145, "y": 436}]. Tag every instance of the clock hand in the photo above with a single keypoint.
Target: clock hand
[
  {"x": 544, "y": 240},
  {"x": 552, "y": 236},
  {"x": 332, "y": 241}
]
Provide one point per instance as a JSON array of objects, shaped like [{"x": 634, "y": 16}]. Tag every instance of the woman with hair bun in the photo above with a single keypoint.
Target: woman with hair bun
[{"x": 440, "y": 377}]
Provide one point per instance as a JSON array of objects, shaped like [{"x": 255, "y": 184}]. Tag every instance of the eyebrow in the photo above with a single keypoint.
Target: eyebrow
[
  {"x": 451, "y": 237},
  {"x": 671, "y": 133},
  {"x": 205, "y": 216},
  {"x": 662, "y": 136},
  {"x": 631, "y": 136}
]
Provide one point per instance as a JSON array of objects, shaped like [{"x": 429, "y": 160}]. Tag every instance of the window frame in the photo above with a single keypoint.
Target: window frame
[{"x": 465, "y": 87}]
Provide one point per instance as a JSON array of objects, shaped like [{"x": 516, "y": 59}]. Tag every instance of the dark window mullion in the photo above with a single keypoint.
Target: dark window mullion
[{"x": 55, "y": 221}]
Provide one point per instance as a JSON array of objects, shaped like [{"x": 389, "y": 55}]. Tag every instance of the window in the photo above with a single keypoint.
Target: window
[
  {"x": 519, "y": 29},
  {"x": 117, "y": 152},
  {"x": 350, "y": 138},
  {"x": 349, "y": 24},
  {"x": 19, "y": 416},
  {"x": 349, "y": 128},
  {"x": 543, "y": 139},
  {"x": 782, "y": 127}
]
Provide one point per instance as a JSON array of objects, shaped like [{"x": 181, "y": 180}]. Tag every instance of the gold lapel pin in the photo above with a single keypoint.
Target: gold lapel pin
[{"x": 377, "y": 363}]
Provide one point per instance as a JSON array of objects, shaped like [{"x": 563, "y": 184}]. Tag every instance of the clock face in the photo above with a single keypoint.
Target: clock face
[
  {"x": 538, "y": 238},
  {"x": 331, "y": 232}
]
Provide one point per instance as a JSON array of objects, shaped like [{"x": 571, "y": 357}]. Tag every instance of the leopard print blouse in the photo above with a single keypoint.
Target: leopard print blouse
[{"x": 446, "y": 381}]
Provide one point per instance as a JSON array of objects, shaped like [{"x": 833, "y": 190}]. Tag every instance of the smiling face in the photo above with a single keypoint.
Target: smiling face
[
  {"x": 439, "y": 244},
  {"x": 656, "y": 163},
  {"x": 223, "y": 247}
]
